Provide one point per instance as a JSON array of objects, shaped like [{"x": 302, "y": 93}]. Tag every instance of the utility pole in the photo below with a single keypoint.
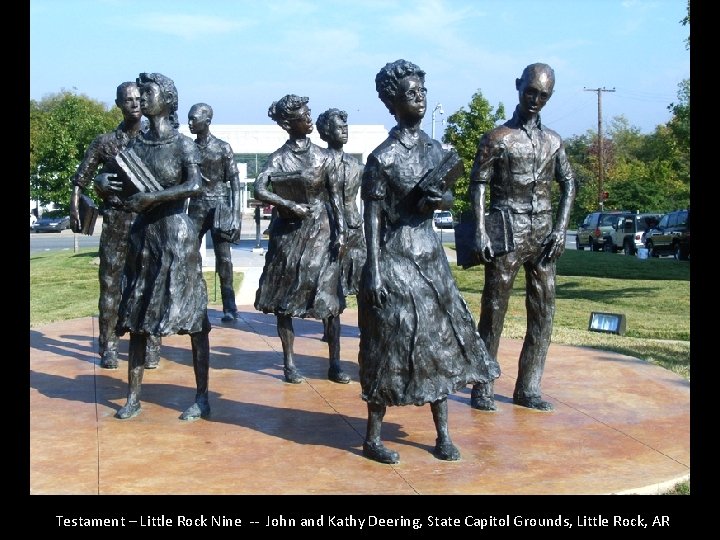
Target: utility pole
[{"x": 601, "y": 165}]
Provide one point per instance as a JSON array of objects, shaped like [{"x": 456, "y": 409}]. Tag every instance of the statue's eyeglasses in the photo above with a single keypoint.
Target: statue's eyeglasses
[{"x": 413, "y": 93}]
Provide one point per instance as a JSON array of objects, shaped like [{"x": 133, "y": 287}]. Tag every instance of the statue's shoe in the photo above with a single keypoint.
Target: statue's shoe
[
  {"x": 378, "y": 452},
  {"x": 533, "y": 403}
]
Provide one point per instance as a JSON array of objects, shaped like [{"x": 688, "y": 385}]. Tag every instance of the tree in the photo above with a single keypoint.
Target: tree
[
  {"x": 582, "y": 155},
  {"x": 679, "y": 128},
  {"x": 464, "y": 130},
  {"x": 62, "y": 126},
  {"x": 686, "y": 22},
  {"x": 642, "y": 172}
]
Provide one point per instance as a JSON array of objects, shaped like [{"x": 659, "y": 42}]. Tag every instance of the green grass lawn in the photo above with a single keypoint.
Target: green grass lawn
[
  {"x": 653, "y": 294},
  {"x": 65, "y": 286}
]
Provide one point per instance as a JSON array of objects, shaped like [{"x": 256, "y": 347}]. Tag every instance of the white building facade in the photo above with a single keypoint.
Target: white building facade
[{"x": 262, "y": 140}]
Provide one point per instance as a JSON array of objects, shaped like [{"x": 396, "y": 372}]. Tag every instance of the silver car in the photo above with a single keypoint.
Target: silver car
[{"x": 443, "y": 219}]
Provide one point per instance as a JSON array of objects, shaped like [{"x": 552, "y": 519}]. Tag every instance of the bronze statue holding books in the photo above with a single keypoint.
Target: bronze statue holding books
[
  {"x": 301, "y": 276},
  {"x": 418, "y": 340},
  {"x": 116, "y": 223},
  {"x": 218, "y": 208},
  {"x": 164, "y": 291},
  {"x": 518, "y": 162}
]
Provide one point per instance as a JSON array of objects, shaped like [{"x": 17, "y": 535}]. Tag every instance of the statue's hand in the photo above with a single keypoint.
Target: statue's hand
[
  {"x": 233, "y": 231},
  {"x": 375, "y": 292},
  {"x": 430, "y": 201},
  {"x": 353, "y": 222},
  {"x": 235, "y": 222},
  {"x": 300, "y": 210},
  {"x": 552, "y": 247},
  {"x": 107, "y": 184},
  {"x": 483, "y": 248},
  {"x": 339, "y": 247}
]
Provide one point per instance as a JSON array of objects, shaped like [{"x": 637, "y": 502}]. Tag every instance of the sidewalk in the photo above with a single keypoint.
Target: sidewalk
[{"x": 621, "y": 425}]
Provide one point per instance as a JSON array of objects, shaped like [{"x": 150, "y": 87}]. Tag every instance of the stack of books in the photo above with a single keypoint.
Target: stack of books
[{"x": 135, "y": 174}]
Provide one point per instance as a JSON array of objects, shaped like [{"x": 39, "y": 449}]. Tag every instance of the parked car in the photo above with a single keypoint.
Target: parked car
[
  {"x": 628, "y": 232},
  {"x": 266, "y": 211},
  {"x": 52, "y": 222},
  {"x": 682, "y": 251},
  {"x": 33, "y": 219},
  {"x": 671, "y": 236},
  {"x": 596, "y": 228},
  {"x": 443, "y": 219}
]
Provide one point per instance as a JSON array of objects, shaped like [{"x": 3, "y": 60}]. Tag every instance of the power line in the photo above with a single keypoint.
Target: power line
[
  {"x": 645, "y": 96},
  {"x": 601, "y": 166}
]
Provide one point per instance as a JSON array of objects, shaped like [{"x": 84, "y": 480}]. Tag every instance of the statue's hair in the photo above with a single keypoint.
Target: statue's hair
[
  {"x": 388, "y": 78},
  {"x": 204, "y": 106},
  {"x": 120, "y": 92},
  {"x": 323, "y": 122},
  {"x": 286, "y": 108},
  {"x": 537, "y": 67},
  {"x": 168, "y": 90}
]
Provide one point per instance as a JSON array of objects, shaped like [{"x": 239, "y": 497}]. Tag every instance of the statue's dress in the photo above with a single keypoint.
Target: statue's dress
[
  {"x": 164, "y": 291},
  {"x": 422, "y": 344},
  {"x": 301, "y": 277},
  {"x": 349, "y": 175}
]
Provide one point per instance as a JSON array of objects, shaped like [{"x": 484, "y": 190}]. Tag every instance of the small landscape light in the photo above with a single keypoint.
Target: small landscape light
[{"x": 610, "y": 323}]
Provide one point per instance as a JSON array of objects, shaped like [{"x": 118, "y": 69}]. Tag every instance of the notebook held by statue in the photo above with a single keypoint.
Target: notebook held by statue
[
  {"x": 442, "y": 177},
  {"x": 498, "y": 226},
  {"x": 88, "y": 215},
  {"x": 223, "y": 220},
  {"x": 290, "y": 186}
]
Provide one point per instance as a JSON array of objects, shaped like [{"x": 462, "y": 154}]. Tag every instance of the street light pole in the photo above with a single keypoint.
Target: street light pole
[{"x": 438, "y": 109}]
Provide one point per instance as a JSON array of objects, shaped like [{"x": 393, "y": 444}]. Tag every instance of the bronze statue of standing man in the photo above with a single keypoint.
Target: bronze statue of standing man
[
  {"x": 216, "y": 210},
  {"x": 117, "y": 219},
  {"x": 518, "y": 162}
]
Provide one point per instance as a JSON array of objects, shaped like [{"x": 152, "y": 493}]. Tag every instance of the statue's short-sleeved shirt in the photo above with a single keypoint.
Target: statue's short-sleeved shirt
[
  {"x": 519, "y": 163},
  {"x": 217, "y": 165}
]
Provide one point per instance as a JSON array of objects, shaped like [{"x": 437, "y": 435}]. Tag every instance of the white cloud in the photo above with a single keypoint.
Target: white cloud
[
  {"x": 637, "y": 12},
  {"x": 189, "y": 26},
  {"x": 435, "y": 19}
]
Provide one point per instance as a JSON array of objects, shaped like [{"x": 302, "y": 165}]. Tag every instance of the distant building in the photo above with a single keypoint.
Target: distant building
[{"x": 252, "y": 144}]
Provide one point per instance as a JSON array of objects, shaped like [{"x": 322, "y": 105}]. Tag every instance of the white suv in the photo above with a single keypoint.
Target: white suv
[{"x": 628, "y": 232}]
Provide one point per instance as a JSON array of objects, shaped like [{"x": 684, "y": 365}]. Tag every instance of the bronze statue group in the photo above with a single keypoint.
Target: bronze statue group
[{"x": 162, "y": 192}]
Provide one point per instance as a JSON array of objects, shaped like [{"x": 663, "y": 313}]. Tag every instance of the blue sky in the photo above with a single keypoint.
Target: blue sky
[{"x": 241, "y": 55}]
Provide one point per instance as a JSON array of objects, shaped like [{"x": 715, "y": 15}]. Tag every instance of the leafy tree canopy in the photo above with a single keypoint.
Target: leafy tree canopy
[
  {"x": 62, "y": 126},
  {"x": 464, "y": 130}
]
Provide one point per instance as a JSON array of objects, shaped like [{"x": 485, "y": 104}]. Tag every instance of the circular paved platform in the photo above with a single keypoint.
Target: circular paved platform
[{"x": 620, "y": 425}]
